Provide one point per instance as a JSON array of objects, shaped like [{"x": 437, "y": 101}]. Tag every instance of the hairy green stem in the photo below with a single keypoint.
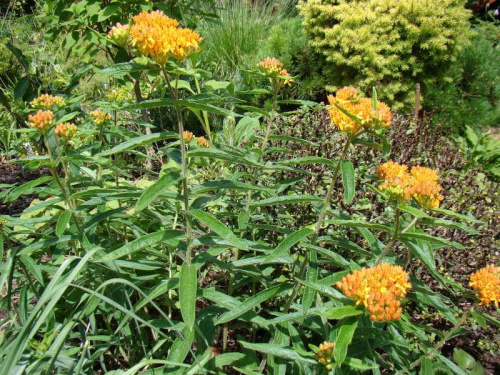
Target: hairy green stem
[{"x": 393, "y": 239}]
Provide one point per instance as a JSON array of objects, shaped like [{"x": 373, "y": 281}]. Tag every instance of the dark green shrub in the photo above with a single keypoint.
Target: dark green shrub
[
  {"x": 390, "y": 44},
  {"x": 473, "y": 98}
]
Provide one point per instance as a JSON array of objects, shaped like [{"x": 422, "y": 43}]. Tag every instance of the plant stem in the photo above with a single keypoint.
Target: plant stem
[
  {"x": 185, "y": 192},
  {"x": 446, "y": 337},
  {"x": 206, "y": 125},
  {"x": 394, "y": 238}
]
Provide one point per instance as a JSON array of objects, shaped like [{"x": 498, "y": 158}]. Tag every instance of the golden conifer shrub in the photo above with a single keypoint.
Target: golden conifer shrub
[
  {"x": 379, "y": 289},
  {"x": 486, "y": 283}
]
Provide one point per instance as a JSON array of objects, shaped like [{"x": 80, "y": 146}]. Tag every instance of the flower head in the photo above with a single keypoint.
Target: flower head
[
  {"x": 188, "y": 136},
  {"x": 202, "y": 142},
  {"x": 486, "y": 283},
  {"x": 325, "y": 354},
  {"x": 47, "y": 101},
  {"x": 120, "y": 34},
  {"x": 424, "y": 187},
  {"x": 157, "y": 36},
  {"x": 274, "y": 69},
  {"x": 100, "y": 117},
  {"x": 369, "y": 117},
  {"x": 395, "y": 179},
  {"x": 42, "y": 120},
  {"x": 118, "y": 94},
  {"x": 66, "y": 130},
  {"x": 379, "y": 288}
]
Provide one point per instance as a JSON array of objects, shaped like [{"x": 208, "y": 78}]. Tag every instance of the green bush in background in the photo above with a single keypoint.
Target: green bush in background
[
  {"x": 389, "y": 44},
  {"x": 473, "y": 98}
]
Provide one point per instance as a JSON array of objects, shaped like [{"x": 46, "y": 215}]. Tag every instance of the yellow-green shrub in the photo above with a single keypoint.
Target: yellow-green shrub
[{"x": 390, "y": 44}]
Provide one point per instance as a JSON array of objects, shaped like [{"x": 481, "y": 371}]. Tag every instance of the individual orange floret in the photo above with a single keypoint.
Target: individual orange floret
[
  {"x": 379, "y": 288},
  {"x": 395, "y": 178},
  {"x": 486, "y": 283},
  {"x": 42, "y": 120},
  {"x": 369, "y": 118},
  {"x": 202, "y": 142},
  {"x": 188, "y": 136},
  {"x": 277, "y": 74},
  {"x": 157, "y": 36},
  {"x": 325, "y": 354},
  {"x": 100, "y": 117},
  {"x": 424, "y": 187},
  {"x": 120, "y": 34},
  {"x": 66, "y": 130}
]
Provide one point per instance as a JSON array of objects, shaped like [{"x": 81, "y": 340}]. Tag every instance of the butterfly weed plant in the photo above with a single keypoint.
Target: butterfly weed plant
[{"x": 183, "y": 269}]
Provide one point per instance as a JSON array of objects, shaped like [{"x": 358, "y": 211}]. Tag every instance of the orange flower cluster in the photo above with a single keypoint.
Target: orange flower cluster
[
  {"x": 486, "y": 282},
  {"x": 47, "y": 101},
  {"x": 325, "y": 354},
  {"x": 42, "y": 120},
  {"x": 202, "y": 142},
  {"x": 274, "y": 68},
  {"x": 370, "y": 118},
  {"x": 100, "y": 117},
  {"x": 379, "y": 289},
  {"x": 66, "y": 130},
  {"x": 157, "y": 36},
  {"x": 421, "y": 184},
  {"x": 188, "y": 136}
]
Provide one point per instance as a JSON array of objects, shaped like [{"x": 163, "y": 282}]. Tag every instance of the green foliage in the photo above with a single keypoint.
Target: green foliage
[
  {"x": 473, "y": 97},
  {"x": 389, "y": 44}
]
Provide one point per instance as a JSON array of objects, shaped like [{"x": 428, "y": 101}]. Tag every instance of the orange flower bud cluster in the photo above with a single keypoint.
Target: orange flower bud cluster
[
  {"x": 66, "y": 130},
  {"x": 202, "y": 142},
  {"x": 274, "y": 68},
  {"x": 120, "y": 34},
  {"x": 379, "y": 288},
  {"x": 100, "y": 117},
  {"x": 47, "y": 101},
  {"x": 188, "y": 136},
  {"x": 486, "y": 282},
  {"x": 420, "y": 183},
  {"x": 157, "y": 36},
  {"x": 42, "y": 120},
  {"x": 325, "y": 354},
  {"x": 370, "y": 118}
]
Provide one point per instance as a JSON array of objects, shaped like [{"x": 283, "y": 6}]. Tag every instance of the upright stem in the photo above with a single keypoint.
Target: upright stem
[
  {"x": 174, "y": 92},
  {"x": 204, "y": 113},
  {"x": 393, "y": 239},
  {"x": 446, "y": 337},
  {"x": 321, "y": 217}
]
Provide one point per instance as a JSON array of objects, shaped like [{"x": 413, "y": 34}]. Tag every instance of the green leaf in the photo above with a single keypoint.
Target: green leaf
[
  {"x": 27, "y": 188},
  {"x": 413, "y": 211},
  {"x": 218, "y": 227},
  {"x": 311, "y": 276},
  {"x": 19, "y": 55},
  {"x": 348, "y": 180},
  {"x": 62, "y": 222},
  {"x": 153, "y": 191},
  {"x": 227, "y": 184},
  {"x": 449, "y": 224},
  {"x": 140, "y": 243},
  {"x": 122, "y": 69},
  {"x": 108, "y": 12},
  {"x": 68, "y": 117},
  {"x": 340, "y": 312},
  {"x": 292, "y": 139},
  {"x": 344, "y": 339},
  {"x": 426, "y": 367},
  {"x": 463, "y": 359},
  {"x": 21, "y": 88},
  {"x": 456, "y": 215},
  {"x": 187, "y": 293},
  {"x": 277, "y": 351},
  {"x": 137, "y": 142},
  {"x": 359, "y": 224},
  {"x": 432, "y": 239},
  {"x": 286, "y": 199},
  {"x": 252, "y": 302},
  {"x": 308, "y": 160},
  {"x": 285, "y": 245}
]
